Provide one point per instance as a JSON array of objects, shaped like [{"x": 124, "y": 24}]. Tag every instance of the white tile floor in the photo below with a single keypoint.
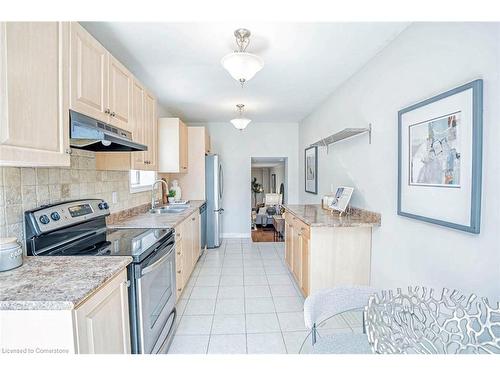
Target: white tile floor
[{"x": 242, "y": 299}]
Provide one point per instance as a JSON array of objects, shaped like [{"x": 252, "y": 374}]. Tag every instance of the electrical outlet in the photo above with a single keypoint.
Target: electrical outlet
[{"x": 114, "y": 197}]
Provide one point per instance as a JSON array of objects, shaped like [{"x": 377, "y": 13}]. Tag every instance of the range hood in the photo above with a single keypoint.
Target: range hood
[{"x": 90, "y": 134}]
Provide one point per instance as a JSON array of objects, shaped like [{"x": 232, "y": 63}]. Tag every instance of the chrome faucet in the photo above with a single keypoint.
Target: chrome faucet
[{"x": 154, "y": 200}]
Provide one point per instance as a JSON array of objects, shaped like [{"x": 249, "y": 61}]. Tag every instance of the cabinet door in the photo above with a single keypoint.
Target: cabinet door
[
  {"x": 288, "y": 244},
  {"x": 297, "y": 256},
  {"x": 208, "y": 142},
  {"x": 150, "y": 132},
  {"x": 34, "y": 129},
  {"x": 120, "y": 87},
  {"x": 89, "y": 74},
  {"x": 187, "y": 250},
  {"x": 304, "y": 269},
  {"x": 102, "y": 322},
  {"x": 195, "y": 222},
  {"x": 179, "y": 261},
  {"x": 183, "y": 147},
  {"x": 139, "y": 131}
]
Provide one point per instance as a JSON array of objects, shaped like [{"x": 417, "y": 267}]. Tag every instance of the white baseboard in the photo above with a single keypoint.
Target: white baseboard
[{"x": 235, "y": 235}]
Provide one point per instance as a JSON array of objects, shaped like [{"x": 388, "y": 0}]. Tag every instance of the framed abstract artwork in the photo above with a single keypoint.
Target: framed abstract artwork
[
  {"x": 440, "y": 158},
  {"x": 311, "y": 170}
]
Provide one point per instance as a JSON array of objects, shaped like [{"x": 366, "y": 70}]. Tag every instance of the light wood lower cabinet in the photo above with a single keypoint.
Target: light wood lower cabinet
[
  {"x": 325, "y": 257},
  {"x": 100, "y": 325},
  {"x": 188, "y": 248},
  {"x": 102, "y": 322},
  {"x": 34, "y": 73}
]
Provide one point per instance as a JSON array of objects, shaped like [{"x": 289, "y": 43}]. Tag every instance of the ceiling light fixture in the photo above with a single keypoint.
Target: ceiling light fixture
[
  {"x": 240, "y": 64},
  {"x": 240, "y": 122}
]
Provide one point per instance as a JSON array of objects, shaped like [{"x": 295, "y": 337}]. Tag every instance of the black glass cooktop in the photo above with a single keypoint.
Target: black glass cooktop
[
  {"x": 133, "y": 242},
  {"x": 136, "y": 243}
]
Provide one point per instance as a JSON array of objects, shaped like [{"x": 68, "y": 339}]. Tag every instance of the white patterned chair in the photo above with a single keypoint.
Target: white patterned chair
[
  {"x": 327, "y": 304},
  {"x": 422, "y": 321}
]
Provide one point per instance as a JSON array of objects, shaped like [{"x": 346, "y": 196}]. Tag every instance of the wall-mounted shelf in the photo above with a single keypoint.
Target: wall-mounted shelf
[{"x": 344, "y": 134}]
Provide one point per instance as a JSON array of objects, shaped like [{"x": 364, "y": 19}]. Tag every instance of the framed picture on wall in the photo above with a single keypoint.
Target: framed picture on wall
[
  {"x": 311, "y": 170},
  {"x": 440, "y": 158}
]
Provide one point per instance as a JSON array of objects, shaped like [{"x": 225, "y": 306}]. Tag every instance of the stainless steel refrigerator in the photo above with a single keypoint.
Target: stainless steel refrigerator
[{"x": 214, "y": 189}]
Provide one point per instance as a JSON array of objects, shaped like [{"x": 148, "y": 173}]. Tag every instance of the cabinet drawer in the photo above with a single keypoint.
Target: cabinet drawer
[
  {"x": 301, "y": 227},
  {"x": 304, "y": 229},
  {"x": 178, "y": 285}
]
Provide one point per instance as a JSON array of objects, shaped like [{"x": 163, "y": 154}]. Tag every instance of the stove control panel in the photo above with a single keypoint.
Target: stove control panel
[{"x": 55, "y": 216}]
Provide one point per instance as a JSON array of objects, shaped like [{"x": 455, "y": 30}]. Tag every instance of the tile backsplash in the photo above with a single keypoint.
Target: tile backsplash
[{"x": 22, "y": 189}]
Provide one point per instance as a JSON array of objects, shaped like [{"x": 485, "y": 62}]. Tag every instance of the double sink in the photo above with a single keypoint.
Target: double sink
[{"x": 170, "y": 209}]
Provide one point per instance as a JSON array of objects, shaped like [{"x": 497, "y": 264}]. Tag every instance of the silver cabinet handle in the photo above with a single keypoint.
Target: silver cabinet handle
[
  {"x": 107, "y": 111},
  {"x": 113, "y": 114}
]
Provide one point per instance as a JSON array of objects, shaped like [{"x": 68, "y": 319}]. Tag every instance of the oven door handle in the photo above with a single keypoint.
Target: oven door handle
[{"x": 158, "y": 263}]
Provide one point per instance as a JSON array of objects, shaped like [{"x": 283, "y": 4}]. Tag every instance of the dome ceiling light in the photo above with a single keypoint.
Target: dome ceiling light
[
  {"x": 240, "y": 64},
  {"x": 240, "y": 122}
]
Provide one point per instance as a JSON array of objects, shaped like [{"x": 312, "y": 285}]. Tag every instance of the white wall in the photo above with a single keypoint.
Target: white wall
[
  {"x": 279, "y": 171},
  {"x": 236, "y": 149},
  {"x": 426, "y": 59}
]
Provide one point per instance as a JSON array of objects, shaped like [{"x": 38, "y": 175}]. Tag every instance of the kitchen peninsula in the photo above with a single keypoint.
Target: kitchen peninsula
[{"x": 337, "y": 248}]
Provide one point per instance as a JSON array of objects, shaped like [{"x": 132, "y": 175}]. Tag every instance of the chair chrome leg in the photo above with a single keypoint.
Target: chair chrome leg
[{"x": 364, "y": 325}]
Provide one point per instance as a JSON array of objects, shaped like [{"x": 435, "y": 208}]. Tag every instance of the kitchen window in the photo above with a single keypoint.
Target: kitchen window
[{"x": 141, "y": 180}]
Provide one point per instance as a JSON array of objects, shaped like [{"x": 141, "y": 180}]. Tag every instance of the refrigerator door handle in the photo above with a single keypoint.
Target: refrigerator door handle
[{"x": 221, "y": 186}]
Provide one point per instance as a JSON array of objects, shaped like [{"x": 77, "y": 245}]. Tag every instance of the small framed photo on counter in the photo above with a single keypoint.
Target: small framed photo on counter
[{"x": 342, "y": 198}]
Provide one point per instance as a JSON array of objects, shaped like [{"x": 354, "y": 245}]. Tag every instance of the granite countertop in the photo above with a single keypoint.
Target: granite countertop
[
  {"x": 315, "y": 216},
  {"x": 56, "y": 282},
  {"x": 156, "y": 221}
]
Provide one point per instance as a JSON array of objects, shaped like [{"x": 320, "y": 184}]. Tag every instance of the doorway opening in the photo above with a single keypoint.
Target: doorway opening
[{"x": 268, "y": 192}]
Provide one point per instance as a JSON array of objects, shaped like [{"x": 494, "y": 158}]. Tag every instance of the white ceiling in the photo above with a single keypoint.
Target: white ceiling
[{"x": 304, "y": 63}]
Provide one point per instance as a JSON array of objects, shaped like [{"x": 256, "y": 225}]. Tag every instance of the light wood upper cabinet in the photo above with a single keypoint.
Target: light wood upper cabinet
[
  {"x": 34, "y": 128},
  {"x": 150, "y": 132},
  {"x": 193, "y": 188},
  {"x": 101, "y": 87},
  {"x": 208, "y": 143},
  {"x": 120, "y": 92},
  {"x": 172, "y": 146},
  {"x": 89, "y": 74},
  {"x": 138, "y": 133}
]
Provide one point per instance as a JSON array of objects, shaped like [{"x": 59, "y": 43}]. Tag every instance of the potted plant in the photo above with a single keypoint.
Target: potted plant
[
  {"x": 171, "y": 196},
  {"x": 256, "y": 189}
]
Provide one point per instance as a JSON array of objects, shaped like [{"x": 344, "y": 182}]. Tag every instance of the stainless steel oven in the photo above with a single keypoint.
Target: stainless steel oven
[
  {"x": 78, "y": 228},
  {"x": 154, "y": 280}
]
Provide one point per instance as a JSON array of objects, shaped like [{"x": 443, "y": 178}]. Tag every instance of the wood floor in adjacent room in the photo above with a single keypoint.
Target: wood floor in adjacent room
[{"x": 263, "y": 235}]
